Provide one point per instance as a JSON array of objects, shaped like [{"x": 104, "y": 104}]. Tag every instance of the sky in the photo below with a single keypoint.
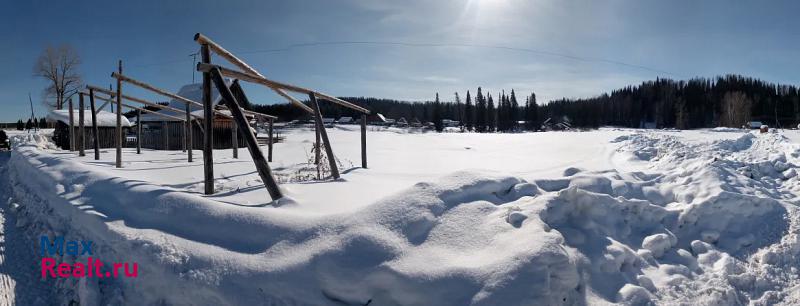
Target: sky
[{"x": 404, "y": 49}]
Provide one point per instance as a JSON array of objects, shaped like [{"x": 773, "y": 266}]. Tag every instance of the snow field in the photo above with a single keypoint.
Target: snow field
[{"x": 700, "y": 217}]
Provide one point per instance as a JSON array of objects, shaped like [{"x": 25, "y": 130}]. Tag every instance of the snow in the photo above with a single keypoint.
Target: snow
[
  {"x": 611, "y": 216},
  {"x": 104, "y": 118}
]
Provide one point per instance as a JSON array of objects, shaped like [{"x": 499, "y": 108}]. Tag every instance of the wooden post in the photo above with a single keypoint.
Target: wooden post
[
  {"x": 235, "y": 144},
  {"x": 208, "y": 115},
  {"x": 71, "y": 127},
  {"x": 96, "y": 139},
  {"x": 165, "y": 135},
  {"x": 317, "y": 146},
  {"x": 81, "y": 133},
  {"x": 364, "y": 141},
  {"x": 270, "y": 139},
  {"x": 189, "y": 144},
  {"x": 118, "y": 138},
  {"x": 252, "y": 144},
  {"x": 138, "y": 131},
  {"x": 324, "y": 134}
]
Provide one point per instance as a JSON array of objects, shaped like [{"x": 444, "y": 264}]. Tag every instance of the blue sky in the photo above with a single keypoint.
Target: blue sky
[{"x": 406, "y": 49}]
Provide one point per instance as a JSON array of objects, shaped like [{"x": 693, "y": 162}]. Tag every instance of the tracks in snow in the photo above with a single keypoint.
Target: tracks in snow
[{"x": 20, "y": 283}]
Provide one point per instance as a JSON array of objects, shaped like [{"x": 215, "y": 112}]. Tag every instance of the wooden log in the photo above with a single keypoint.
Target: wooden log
[
  {"x": 235, "y": 144},
  {"x": 118, "y": 135},
  {"x": 81, "y": 131},
  {"x": 142, "y": 101},
  {"x": 95, "y": 134},
  {"x": 324, "y": 134},
  {"x": 219, "y": 50},
  {"x": 208, "y": 130},
  {"x": 364, "y": 141},
  {"x": 274, "y": 84},
  {"x": 269, "y": 146},
  {"x": 317, "y": 146},
  {"x": 165, "y": 135},
  {"x": 188, "y": 133},
  {"x": 139, "y": 131},
  {"x": 71, "y": 127},
  {"x": 252, "y": 144},
  {"x": 171, "y": 95}
]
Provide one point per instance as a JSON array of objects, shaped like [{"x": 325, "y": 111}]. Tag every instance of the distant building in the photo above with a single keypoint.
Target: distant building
[
  {"x": 754, "y": 124},
  {"x": 106, "y": 128},
  {"x": 345, "y": 120}
]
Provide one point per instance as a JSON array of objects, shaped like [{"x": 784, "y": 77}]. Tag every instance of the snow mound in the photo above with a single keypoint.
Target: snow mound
[{"x": 710, "y": 223}]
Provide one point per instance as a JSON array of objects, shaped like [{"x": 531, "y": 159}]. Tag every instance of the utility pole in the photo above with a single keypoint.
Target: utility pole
[{"x": 194, "y": 63}]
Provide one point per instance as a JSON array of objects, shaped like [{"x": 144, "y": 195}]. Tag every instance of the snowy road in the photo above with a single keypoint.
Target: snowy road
[{"x": 19, "y": 281}]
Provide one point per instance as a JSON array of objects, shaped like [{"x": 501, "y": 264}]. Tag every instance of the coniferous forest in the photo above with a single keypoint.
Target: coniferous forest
[{"x": 730, "y": 100}]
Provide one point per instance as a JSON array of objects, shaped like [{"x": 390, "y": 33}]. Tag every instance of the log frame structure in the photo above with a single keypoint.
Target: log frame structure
[{"x": 251, "y": 75}]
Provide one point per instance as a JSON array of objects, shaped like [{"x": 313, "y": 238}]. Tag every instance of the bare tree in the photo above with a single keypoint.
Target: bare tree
[
  {"x": 735, "y": 109},
  {"x": 59, "y": 66}
]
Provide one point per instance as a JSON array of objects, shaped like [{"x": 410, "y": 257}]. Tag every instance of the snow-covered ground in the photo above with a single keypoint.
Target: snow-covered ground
[{"x": 703, "y": 217}]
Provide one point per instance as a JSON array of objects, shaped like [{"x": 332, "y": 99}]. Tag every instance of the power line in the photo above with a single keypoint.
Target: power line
[{"x": 435, "y": 45}]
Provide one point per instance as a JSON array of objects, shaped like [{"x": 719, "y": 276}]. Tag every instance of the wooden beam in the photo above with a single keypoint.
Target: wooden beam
[
  {"x": 188, "y": 133},
  {"x": 165, "y": 135},
  {"x": 71, "y": 126},
  {"x": 252, "y": 144},
  {"x": 174, "y": 96},
  {"x": 274, "y": 84},
  {"x": 324, "y": 134},
  {"x": 364, "y": 141},
  {"x": 118, "y": 136},
  {"x": 81, "y": 131},
  {"x": 139, "y": 131},
  {"x": 142, "y": 109},
  {"x": 208, "y": 134},
  {"x": 269, "y": 146},
  {"x": 143, "y": 101},
  {"x": 95, "y": 140},
  {"x": 219, "y": 50},
  {"x": 235, "y": 144}
]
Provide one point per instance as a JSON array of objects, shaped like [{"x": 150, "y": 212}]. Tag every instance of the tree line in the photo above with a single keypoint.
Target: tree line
[
  {"x": 481, "y": 113},
  {"x": 730, "y": 100},
  {"x": 31, "y": 123}
]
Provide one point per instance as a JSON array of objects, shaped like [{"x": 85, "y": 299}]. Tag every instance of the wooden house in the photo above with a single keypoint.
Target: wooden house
[
  {"x": 162, "y": 133},
  {"x": 106, "y": 128}
]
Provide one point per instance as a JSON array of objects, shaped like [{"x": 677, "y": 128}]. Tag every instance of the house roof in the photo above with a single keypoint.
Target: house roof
[
  {"x": 104, "y": 118},
  {"x": 192, "y": 92}
]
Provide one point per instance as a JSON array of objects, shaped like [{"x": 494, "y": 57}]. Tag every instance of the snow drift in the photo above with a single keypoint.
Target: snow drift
[{"x": 710, "y": 223}]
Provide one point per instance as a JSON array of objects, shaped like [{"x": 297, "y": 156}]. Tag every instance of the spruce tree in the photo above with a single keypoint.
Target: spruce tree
[
  {"x": 20, "y": 125},
  {"x": 513, "y": 111},
  {"x": 437, "y": 115},
  {"x": 480, "y": 112},
  {"x": 491, "y": 115},
  {"x": 469, "y": 113}
]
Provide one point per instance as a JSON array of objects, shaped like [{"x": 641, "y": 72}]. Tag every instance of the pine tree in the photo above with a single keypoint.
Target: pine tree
[
  {"x": 437, "y": 115},
  {"x": 469, "y": 113},
  {"x": 458, "y": 114},
  {"x": 491, "y": 115},
  {"x": 513, "y": 111},
  {"x": 20, "y": 125},
  {"x": 480, "y": 112},
  {"x": 532, "y": 113},
  {"x": 43, "y": 123},
  {"x": 29, "y": 124}
]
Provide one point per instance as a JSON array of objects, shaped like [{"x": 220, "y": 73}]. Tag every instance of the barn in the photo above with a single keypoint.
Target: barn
[
  {"x": 164, "y": 133},
  {"x": 106, "y": 127}
]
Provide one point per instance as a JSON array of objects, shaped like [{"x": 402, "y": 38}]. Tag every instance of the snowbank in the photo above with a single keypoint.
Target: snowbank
[{"x": 709, "y": 223}]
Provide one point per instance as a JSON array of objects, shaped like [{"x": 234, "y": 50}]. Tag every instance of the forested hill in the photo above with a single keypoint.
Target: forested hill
[{"x": 730, "y": 100}]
